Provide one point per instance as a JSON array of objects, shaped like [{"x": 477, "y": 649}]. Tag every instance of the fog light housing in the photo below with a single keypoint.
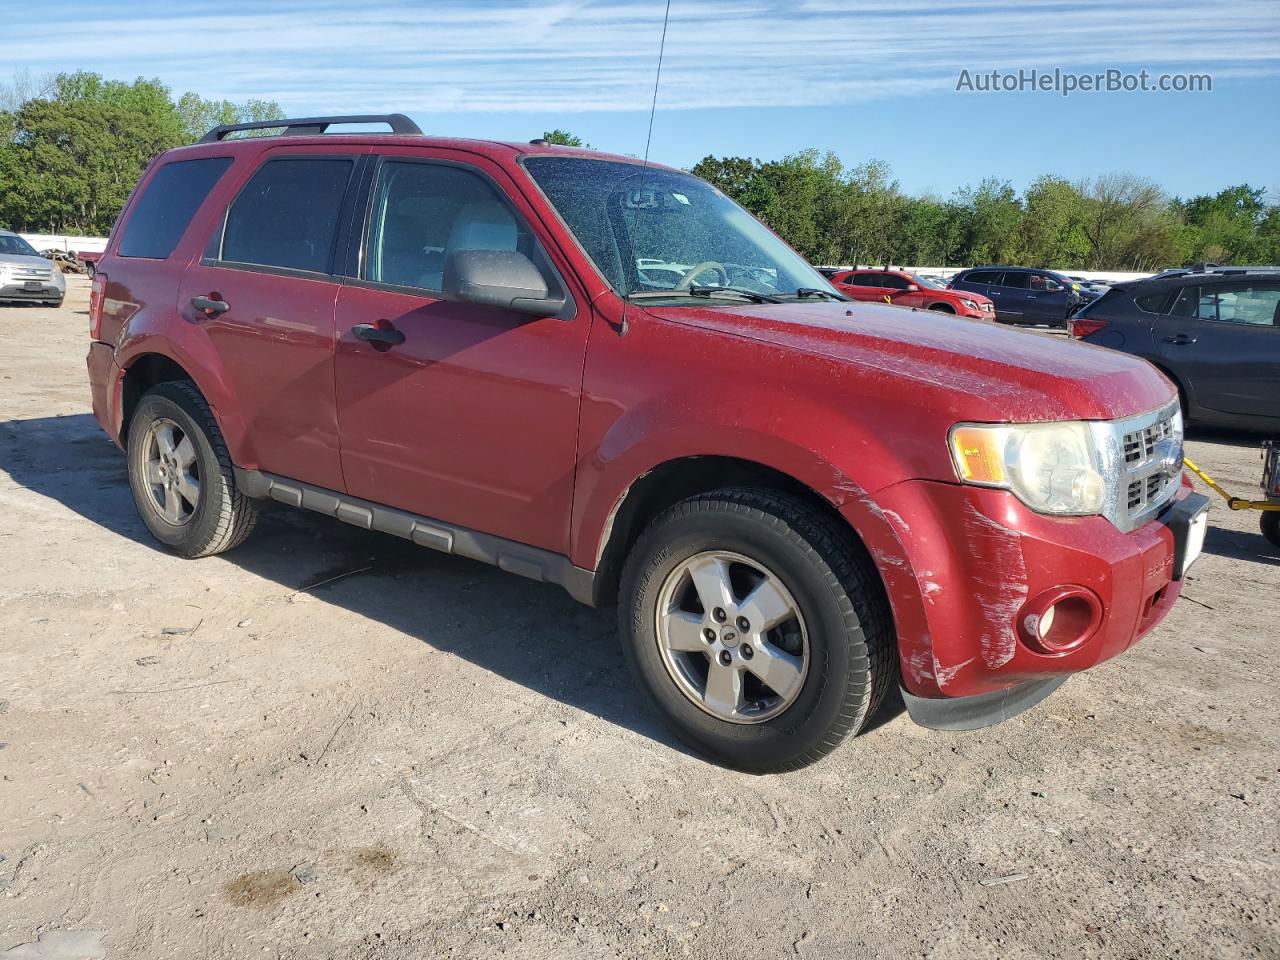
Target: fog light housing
[{"x": 1060, "y": 620}]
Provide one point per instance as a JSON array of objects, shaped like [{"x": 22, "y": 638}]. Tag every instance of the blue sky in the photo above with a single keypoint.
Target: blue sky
[{"x": 751, "y": 77}]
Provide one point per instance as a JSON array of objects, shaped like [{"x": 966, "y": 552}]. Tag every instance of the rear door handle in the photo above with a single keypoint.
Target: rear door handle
[
  {"x": 382, "y": 334},
  {"x": 1180, "y": 339},
  {"x": 210, "y": 306}
]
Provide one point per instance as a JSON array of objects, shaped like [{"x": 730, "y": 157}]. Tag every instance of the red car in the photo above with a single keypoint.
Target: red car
[
  {"x": 796, "y": 501},
  {"x": 909, "y": 290}
]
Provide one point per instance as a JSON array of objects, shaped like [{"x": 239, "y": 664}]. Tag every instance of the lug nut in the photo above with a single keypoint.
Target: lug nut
[
  {"x": 719, "y": 614},
  {"x": 709, "y": 635},
  {"x": 746, "y": 651},
  {"x": 743, "y": 625},
  {"x": 726, "y": 657}
]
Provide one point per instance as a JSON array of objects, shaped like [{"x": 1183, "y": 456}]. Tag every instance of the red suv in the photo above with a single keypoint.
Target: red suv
[
  {"x": 796, "y": 501},
  {"x": 909, "y": 290}
]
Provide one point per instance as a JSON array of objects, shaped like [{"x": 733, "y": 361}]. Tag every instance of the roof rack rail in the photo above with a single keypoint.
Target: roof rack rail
[{"x": 306, "y": 126}]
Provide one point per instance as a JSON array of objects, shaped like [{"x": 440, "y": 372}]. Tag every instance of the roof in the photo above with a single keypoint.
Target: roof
[{"x": 403, "y": 131}]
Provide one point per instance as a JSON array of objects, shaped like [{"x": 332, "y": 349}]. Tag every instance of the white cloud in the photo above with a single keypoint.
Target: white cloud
[{"x": 504, "y": 55}]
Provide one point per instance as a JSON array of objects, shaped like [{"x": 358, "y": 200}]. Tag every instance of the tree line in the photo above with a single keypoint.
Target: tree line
[
  {"x": 836, "y": 214},
  {"x": 72, "y": 145}
]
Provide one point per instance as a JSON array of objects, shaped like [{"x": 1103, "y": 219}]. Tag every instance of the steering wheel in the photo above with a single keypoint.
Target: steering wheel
[{"x": 686, "y": 281}]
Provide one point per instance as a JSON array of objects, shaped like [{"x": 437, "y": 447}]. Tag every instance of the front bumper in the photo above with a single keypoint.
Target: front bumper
[
  {"x": 973, "y": 561},
  {"x": 18, "y": 290}
]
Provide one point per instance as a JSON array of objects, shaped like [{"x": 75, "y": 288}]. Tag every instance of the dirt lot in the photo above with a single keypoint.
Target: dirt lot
[{"x": 429, "y": 758}]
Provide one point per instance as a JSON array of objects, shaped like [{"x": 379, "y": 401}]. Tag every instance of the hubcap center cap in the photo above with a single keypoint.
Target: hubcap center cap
[{"x": 728, "y": 637}]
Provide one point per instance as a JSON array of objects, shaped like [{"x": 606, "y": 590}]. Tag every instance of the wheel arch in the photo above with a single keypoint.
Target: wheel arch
[
  {"x": 147, "y": 360},
  {"x": 677, "y": 479},
  {"x": 146, "y": 370}
]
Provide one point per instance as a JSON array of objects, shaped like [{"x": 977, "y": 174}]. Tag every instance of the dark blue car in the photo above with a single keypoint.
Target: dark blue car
[
  {"x": 1027, "y": 295},
  {"x": 1214, "y": 332}
]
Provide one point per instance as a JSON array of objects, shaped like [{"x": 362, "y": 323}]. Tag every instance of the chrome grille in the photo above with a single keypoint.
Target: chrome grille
[
  {"x": 31, "y": 273},
  {"x": 1139, "y": 445},
  {"x": 1149, "y": 450}
]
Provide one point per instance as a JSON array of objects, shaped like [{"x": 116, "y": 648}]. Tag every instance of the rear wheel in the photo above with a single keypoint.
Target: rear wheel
[
  {"x": 181, "y": 475},
  {"x": 757, "y": 626}
]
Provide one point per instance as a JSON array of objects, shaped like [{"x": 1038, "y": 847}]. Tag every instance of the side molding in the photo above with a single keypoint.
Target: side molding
[{"x": 517, "y": 558}]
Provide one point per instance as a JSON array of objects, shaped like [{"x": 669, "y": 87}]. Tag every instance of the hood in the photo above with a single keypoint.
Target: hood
[
  {"x": 23, "y": 260},
  {"x": 969, "y": 369},
  {"x": 967, "y": 294}
]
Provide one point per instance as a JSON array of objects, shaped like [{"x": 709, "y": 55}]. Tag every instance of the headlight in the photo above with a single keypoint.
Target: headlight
[
  {"x": 971, "y": 304},
  {"x": 1051, "y": 467}
]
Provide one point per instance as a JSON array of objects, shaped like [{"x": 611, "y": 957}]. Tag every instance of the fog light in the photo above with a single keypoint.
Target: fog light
[{"x": 1060, "y": 620}]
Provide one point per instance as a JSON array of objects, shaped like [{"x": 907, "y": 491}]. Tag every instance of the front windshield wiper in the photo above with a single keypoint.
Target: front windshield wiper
[
  {"x": 751, "y": 295},
  {"x": 705, "y": 292},
  {"x": 803, "y": 293}
]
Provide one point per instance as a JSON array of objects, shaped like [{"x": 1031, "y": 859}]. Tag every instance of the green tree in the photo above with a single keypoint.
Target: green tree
[
  {"x": 564, "y": 138},
  {"x": 1129, "y": 224},
  {"x": 1051, "y": 230},
  {"x": 990, "y": 216},
  {"x": 70, "y": 155},
  {"x": 71, "y": 165},
  {"x": 198, "y": 115}
]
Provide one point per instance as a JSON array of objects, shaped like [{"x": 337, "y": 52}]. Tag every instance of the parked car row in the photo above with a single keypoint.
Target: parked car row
[{"x": 912, "y": 290}]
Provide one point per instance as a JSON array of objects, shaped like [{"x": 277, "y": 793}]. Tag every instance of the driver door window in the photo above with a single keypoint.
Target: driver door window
[{"x": 423, "y": 212}]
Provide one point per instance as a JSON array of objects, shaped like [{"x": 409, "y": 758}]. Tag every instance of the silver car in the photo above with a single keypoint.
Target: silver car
[{"x": 25, "y": 275}]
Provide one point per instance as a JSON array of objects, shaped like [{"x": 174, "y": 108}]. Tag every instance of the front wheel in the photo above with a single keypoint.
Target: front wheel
[
  {"x": 758, "y": 626},
  {"x": 181, "y": 474}
]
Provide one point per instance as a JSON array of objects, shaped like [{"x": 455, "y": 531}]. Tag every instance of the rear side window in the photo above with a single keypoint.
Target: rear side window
[
  {"x": 1257, "y": 304},
  {"x": 170, "y": 200},
  {"x": 981, "y": 276},
  {"x": 892, "y": 281},
  {"x": 1013, "y": 278},
  {"x": 287, "y": 215}
]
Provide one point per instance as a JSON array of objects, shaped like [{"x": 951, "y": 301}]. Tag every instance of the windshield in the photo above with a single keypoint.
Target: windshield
[
  {"x": 655, "y": 233},
  {"x": 16, "y": 245}
]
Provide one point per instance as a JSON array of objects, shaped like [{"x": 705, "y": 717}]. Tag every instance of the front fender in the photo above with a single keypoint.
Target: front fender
[{"x": 846, "y": 472}]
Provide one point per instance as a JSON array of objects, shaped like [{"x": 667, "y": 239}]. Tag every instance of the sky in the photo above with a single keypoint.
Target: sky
[{"x": 760, "y": 78}]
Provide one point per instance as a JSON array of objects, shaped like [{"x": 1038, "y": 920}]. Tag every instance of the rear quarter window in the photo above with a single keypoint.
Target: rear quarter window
[
  {"x": 168, "y": 202},
  {"x": 1152, "y": 302}
]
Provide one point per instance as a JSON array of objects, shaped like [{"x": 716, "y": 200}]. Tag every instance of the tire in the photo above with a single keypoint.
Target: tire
[
  {"x": 941, "y": 308},
  {"x": 221, "y": 516},
  {"x": 1270, "y": 524},
  {"x": 842, "y": 619}
]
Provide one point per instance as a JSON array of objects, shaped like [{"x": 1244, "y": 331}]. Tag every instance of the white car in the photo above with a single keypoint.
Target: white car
[{"x": 25, "y": 275}]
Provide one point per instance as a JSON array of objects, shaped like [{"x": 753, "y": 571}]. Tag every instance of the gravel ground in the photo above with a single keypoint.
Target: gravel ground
[{"x": 332, "y": 744}]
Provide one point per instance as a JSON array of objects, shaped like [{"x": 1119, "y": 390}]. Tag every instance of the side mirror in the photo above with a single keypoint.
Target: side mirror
[
  {"x": 499, "y": 278},
  {"x": 913, "y": 288}
]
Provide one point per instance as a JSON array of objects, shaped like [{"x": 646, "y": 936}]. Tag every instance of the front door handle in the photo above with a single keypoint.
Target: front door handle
[
  {"x": 211, "y": 306},
  {"x": 1180, "y": 339},
  {"x": 381, "y": 334}
]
